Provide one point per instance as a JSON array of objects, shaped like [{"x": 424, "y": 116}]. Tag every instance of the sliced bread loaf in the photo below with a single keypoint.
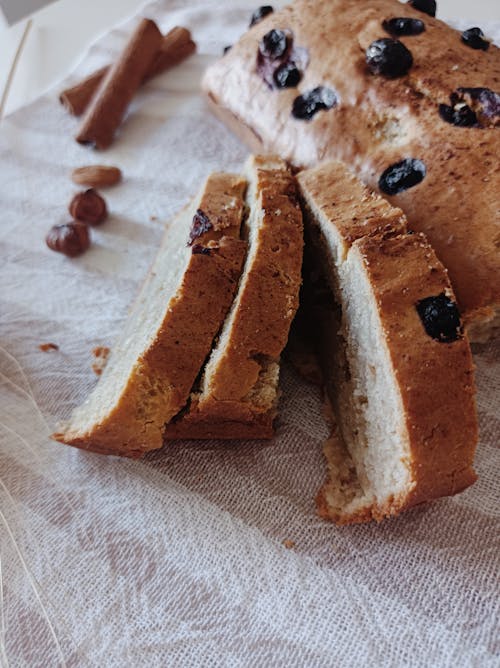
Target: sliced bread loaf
[
  {"x": 238, "y": 392},
  {"x": 170, "y": 329},
  {"x": 397, "y": 366}
]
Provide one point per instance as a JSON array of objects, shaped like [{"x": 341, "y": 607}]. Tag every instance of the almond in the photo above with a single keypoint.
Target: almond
[{"x": 96, "y": 176}]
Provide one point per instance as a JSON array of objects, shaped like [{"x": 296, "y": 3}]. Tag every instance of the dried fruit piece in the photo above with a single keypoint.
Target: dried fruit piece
[
  {"x": 440, "y": 318},
  {"x": 201, "y": 224},
  {"x": 279, "y": 62},
  {"x": 473, "y": 37},
  {"x": 308, "y": 104},
  {"x": 96, "y": 176},
  {"x": 460, "y": 115},
  {"x": 426, "y": 6},
  {"x": 484, "y": 101},
  {"x": 402, "y": 175},
  {"x": 89, "y": 207},
  {"x": 71, "y": 239},
  {"x": 260, "y": 13},
  {"x": 388, "y": 57},
  {"x": 403, "y": 25},
  {"x": 472, "y": 107},
  {"x": 287, "y": 75},
  {"x": 274, "y": 44}
]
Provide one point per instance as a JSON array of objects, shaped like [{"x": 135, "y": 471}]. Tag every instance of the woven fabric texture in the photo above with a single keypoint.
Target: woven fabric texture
[{"x": 203, "y": 554}]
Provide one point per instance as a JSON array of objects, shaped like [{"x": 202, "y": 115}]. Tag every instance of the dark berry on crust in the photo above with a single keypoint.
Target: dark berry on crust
[
  {"x": 462, "y": 115},
  {"x": 388, "y": 57},
  {"x": 473, "y": 37},
  {"x": 227, "y": 48},
  {"x": 284, "y": 70},
  {"x": 486, "y": 99},
  {"x": 287, "y": 75},
  {"x": 198, "y": 249},
  {"x": 199, "y": 226},
  {"x": 308, "y": 104},
  {"x": 260, "y": 13},
  {"x": 274, "y": 44},
  {"x": 403, "y": 26},
  {"x": 402, "y": 175},
  {"x": 440, "y": 318},
  {"x": 426, "y": 6}
]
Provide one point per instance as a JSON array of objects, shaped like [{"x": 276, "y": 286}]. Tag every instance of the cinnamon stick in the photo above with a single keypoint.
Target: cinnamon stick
[
  {"x": 108, "y": 106},
  {"x": 177, "y": 45}
]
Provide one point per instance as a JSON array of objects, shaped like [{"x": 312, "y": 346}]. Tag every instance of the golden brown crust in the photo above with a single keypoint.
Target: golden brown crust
[
  {"x": 435, "y": 379},
  {"x": 265, "y": 307},
  {"x": 223, "y": 420},
  {"x": 160, "y": 382},
  {"x": 381, "y": 121},
  {"x": 342, "y": 197}
]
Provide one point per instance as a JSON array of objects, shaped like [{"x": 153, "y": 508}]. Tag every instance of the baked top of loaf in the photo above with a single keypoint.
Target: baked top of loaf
[
  {"x": 401, "y": 382},
  {"x": 170, "y": 329},
  {"x": 238, "y": 392},
  {"x": 377, "y": 122}
]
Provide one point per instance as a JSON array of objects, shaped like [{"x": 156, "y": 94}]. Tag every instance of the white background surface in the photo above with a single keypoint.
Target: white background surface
[
  {"x": 179, "y": 560},
  {"x": 61, "y": 33}
]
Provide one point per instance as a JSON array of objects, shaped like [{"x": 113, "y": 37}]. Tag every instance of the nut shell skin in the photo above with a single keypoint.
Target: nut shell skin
[
  {"x": 71, "y": 239},
  {"x": 89, "y": 207},
  {"x": 96, "y": 176}
]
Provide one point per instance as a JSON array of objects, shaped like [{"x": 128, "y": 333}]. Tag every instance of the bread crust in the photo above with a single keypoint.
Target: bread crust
[
  {"x": 265, "y": 307},
  {"x": 161, "y": 379},
  {"x": 379, "y": 122},
  {"x": 434, "y": 379}
]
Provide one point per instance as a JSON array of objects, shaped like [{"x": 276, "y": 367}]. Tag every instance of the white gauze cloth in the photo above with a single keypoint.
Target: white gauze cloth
[{"x": 179, "y": 560}]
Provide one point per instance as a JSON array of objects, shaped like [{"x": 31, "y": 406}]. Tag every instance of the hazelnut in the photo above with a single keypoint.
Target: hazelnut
[
  {"x": 89, "y": 207},
  {"x": 72, "y": 239}
]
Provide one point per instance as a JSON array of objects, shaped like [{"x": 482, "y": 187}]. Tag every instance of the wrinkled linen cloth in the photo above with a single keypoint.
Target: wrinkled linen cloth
[{"x": 204, "y": 553}]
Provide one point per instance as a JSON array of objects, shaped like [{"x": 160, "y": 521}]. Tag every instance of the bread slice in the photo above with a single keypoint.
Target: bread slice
[
  {"x": 170, "y": 329},
  {"x": 238, "y": 393},
  {"x": 376, "y": 122},
  {"x": 397, "y": 366}
]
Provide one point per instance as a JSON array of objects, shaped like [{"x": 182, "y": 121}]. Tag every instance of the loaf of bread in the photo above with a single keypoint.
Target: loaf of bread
[
  {"x": 170, "y": 329},
  {"x": 408, "y": 104},
  {"x": 238, "y": 392},
  {"x": 396, "y": 363}
]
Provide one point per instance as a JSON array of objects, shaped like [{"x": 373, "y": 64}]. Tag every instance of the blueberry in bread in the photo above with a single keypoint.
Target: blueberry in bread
[
  {"x": 427, "y": 116},
  {"x": 403, "y": 26},
  {"x": 425, "y": 6},
  {"x": 170, "y": 329},
  {"x": 396, "y": 363},
  {"x": 388, "y": 57},
  {"x": 238, "y": 391},
  {"x": 260, "y": 13},
  {"x": 474, "y": 37}
]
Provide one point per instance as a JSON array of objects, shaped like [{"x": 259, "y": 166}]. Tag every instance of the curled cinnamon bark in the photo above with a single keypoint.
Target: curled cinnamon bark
[
  {"x": 76, "y": 99},
  {"x": 108, "y": 106},
  {"x": 177, "y": 45}
]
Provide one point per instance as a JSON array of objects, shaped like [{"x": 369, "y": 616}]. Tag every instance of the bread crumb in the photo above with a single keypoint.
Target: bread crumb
[
  {"x": 153, "y": 218},
  {"x": 101, "y": 354},
  {"x": 289, "y": 544},
  {"x": 45, "y": 347}
]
